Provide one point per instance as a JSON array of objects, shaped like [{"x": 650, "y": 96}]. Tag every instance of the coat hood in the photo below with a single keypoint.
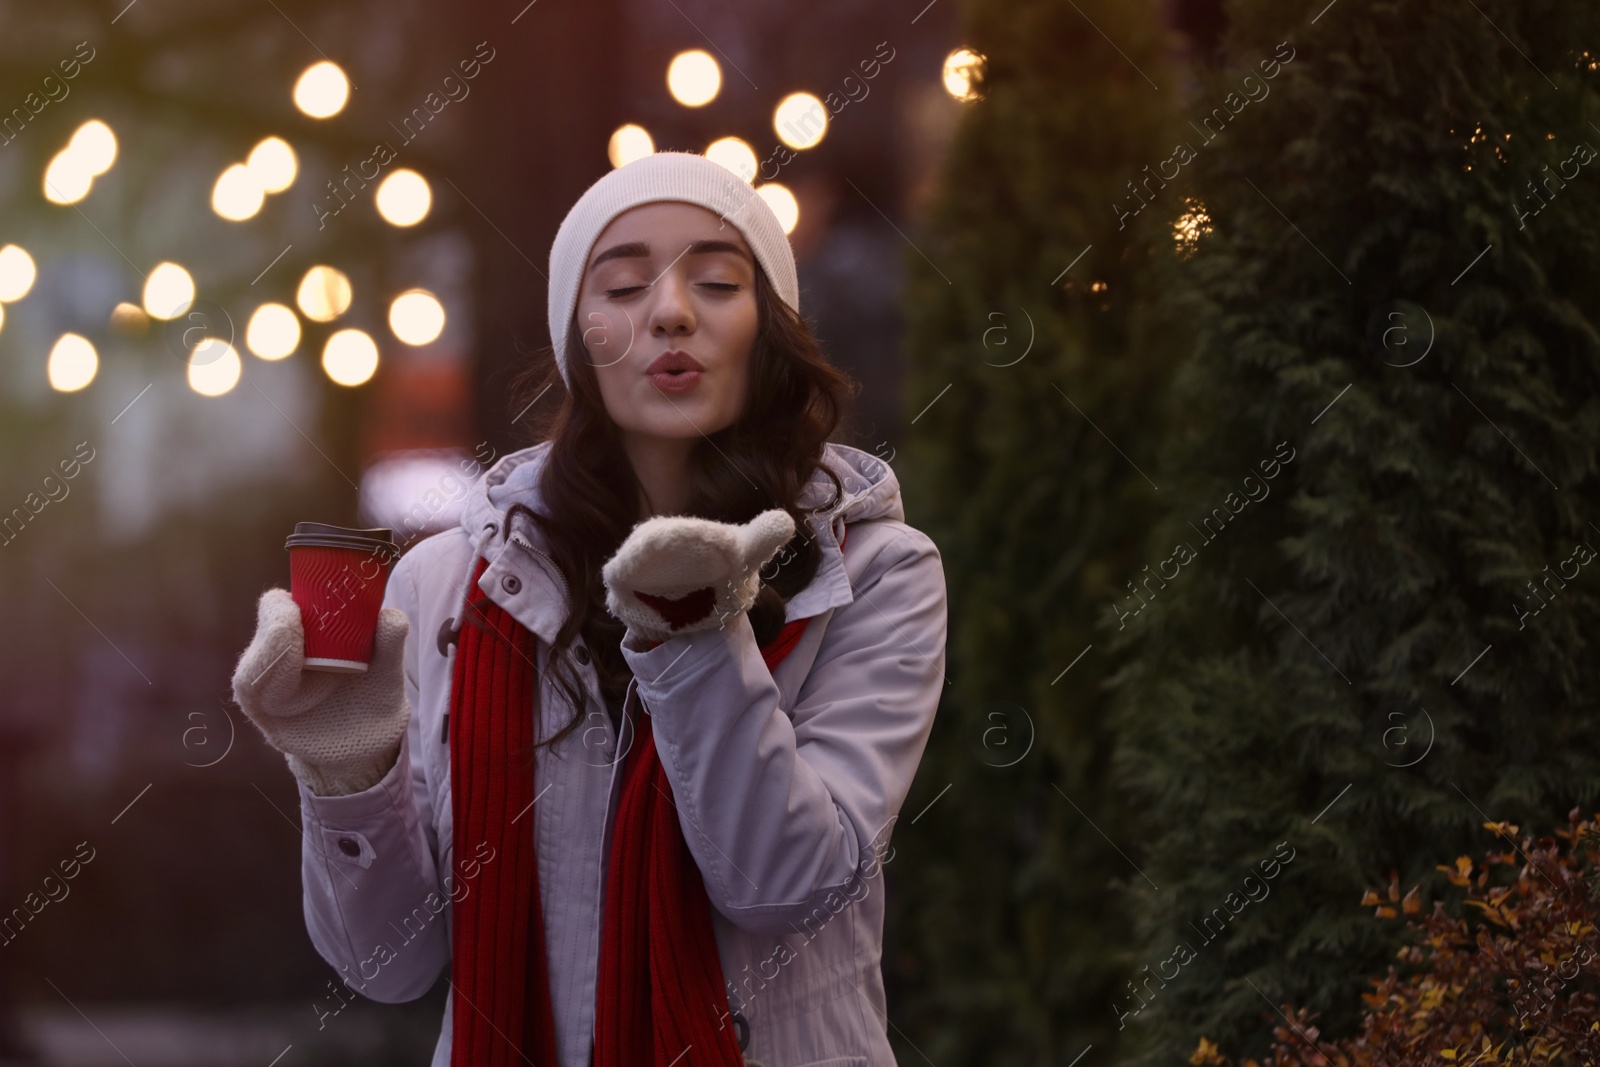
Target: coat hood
[{"x": 870, "y": 491}]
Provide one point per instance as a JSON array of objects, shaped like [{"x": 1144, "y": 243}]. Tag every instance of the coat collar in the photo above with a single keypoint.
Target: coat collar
[{"x": 522, "y": 578}]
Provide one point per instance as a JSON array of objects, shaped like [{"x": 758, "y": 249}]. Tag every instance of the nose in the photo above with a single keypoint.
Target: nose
[{"x": 670, "y": 308}]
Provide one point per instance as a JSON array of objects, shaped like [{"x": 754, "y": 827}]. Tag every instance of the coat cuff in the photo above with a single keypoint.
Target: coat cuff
[{"x": 677, "y": 665}]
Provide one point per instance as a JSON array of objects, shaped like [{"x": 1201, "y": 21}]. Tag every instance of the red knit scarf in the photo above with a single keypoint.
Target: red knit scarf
[{"x": 660, "y": 989}]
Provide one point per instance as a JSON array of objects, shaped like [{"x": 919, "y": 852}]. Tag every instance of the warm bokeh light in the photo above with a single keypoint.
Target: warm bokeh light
[
  {"x": 1190, "y": 227},
  {"x": 73, "y": 363},
  {"x": 782, "y": 203},
  {"x": 67, "y": 178},
  {"x": 274, "y": 165},
  {"x": 350, "y": 357},
  {"x": 168, "y": 291},
  {"x": 322, "y": 90},
  {"x": 2, "y": 317},
  {"x": 273, "y": 331},
  {"x": 416, "y": 317},
  {"x": 736, "y": 155},
  {"x": 128, "y": 319},
  {"x": 237, "y": 195},
  {"x": 16, "y": 273},
  {"x": 95, "y": 146},
  {"x": 71, "y": 172},
  {"x": 693, "y": 78},
  {"x": 404, "y": 198},
  {"x": 960, "y": 71},
  {"x": 800, "y": 120},
  {"x": 324, "y": 294},
  {"x": 214, "y": 368},
  {"x": 629, "y": 143}
]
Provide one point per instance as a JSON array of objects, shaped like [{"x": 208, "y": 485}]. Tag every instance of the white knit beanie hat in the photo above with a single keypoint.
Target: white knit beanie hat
[{"x": 685, "y": 176}]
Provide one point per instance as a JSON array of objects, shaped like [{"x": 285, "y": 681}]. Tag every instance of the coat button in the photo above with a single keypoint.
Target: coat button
[
  {"x": 582, "y": 654},
  {"x": 511, "y": 584},
  {"x": 349, "y": 847}
]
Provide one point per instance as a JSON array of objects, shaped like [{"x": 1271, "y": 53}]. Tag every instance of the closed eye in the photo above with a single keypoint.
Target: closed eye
[{"x": 726, "y": 287}]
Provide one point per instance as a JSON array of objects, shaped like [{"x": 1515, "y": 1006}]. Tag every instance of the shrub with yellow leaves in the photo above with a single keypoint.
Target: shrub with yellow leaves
[{"x": 1513, "y": 980}]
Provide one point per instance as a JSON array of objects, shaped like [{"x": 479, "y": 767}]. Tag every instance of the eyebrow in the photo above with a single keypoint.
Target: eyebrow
[{"x": 640, "y": 249}]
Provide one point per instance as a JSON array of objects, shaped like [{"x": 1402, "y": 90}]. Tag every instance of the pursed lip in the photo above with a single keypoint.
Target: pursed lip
[{"x": 671, "y": 361}]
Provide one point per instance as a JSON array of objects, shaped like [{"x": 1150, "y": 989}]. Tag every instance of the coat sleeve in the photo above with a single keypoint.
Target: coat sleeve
[
  {"x": 373, "y": 903},
  {"x": 780, "y": 806}
]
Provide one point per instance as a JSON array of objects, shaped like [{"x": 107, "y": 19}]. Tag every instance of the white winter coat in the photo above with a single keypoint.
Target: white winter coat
[{"x": 787, "y": 784}]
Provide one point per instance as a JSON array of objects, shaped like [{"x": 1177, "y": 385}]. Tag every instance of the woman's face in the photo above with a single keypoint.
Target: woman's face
[{"x": 663, "y": 278}]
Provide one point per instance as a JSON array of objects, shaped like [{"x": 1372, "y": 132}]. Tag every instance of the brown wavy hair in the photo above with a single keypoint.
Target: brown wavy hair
[{"x": 793, "y": 403}]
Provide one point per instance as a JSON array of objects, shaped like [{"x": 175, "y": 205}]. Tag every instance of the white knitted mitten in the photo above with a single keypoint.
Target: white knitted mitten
[
  {"x": 675, "y": 574},
  {"x": 339, "y": 733}
]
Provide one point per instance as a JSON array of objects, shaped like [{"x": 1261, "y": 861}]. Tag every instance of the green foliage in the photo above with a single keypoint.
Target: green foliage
[
  {"x": 1006, "y": 935},
  {"x": 1346, "y": 667}
]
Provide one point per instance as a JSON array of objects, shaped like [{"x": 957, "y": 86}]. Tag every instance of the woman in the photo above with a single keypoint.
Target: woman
[{"x": 682, "y": 717}]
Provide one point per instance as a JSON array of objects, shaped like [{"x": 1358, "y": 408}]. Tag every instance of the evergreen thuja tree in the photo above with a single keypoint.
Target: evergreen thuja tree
[
  {"x": 1372, "y": 626},
  {"x": 1035, "y": 342}
]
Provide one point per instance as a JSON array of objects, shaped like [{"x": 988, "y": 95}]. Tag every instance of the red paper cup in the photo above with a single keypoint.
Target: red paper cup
[{"x": 338, "y": 576}]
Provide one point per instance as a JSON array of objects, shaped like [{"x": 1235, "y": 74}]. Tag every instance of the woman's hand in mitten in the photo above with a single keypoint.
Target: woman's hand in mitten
[
  {"x": 675, "y": 574},
  {"x": 339, "y": 733}
]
